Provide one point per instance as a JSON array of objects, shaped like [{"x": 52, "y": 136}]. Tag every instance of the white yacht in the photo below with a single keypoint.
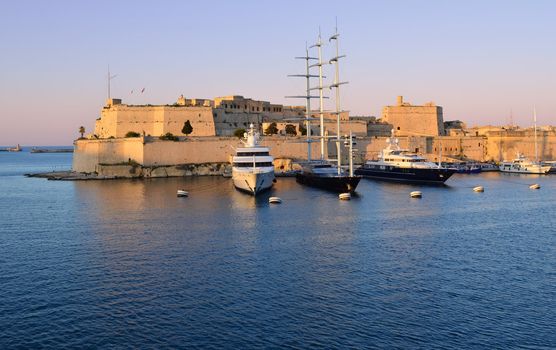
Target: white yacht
[
  {"x": 401, "y": 165},
  {"x": 524, "y": 166},
  {"x": 252, "y": 167}
]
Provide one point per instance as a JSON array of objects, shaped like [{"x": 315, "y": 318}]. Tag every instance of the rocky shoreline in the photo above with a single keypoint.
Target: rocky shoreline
[{"x": 136, "y": 171}]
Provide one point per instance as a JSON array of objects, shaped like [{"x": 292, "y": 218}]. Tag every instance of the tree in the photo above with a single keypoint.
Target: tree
[
  {"x": 81, "y": 130},
  {"x": 132, "y": 134},
  {"x": 272, "y": 129},
  {"x": 187, "y": 128},
  {"x": 290, "y": 130},
  {"x": 239, "y": 133}
]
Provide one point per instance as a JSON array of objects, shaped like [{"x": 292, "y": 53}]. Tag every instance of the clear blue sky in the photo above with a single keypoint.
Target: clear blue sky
[{"x": 477, "y": 59}]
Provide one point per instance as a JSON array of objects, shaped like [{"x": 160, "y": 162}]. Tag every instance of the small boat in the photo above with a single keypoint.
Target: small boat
[
  {"x": 416, "y": 194},
  {"x": 183, "y": 193},
  {"x": 468, "y": 168},
  {"x": 478, "y": 189},
  {"x": 486, "y": 167},
  {"x": 535, "y": 186},
  {"x": 274, "y": 200},
  {"x": 15, "y": 149},
  {"x": 524, "y": 166}
]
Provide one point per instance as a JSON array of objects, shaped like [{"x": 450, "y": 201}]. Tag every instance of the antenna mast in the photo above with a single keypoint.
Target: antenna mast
[
  {"x": 535, "y": 123},
  {"x": 307, "y": 97},
  {"x": 336, "y": 85},
  {"x": 110, "y": 77}
]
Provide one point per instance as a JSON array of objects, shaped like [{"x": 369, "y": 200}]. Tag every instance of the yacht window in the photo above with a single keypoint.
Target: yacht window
[
  {"x": 250, "y": 164},
  {"x": 250, "y": 154}
]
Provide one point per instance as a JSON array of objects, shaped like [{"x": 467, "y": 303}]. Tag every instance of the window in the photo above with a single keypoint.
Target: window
[
  {"x": 250, "y": 154},
  {"x": 249, "y": 165},
  {"x": 398, "y": 128}
]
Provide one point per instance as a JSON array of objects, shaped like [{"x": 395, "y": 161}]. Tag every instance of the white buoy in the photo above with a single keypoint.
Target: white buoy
[
  {"x": 478, "y": 189},
  {"x": 416, "y": 194},
  {"x": 344, "y": 196},
  {"x": 274, "y": 200},
  {"x": 183, "y": 193},
  {"x": 535, "y": 186}
]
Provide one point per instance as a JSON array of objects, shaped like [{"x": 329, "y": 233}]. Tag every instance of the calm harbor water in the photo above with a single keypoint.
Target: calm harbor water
[{"x": 127, "y": 264}]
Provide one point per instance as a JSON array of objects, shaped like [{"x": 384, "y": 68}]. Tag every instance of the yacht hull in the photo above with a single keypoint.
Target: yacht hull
[
  {"x": 525, "y": 170},
  {"x": 253, "y": 182},
  {"x": 409, "y": 175},
  {"x": 331, "y": 183}
]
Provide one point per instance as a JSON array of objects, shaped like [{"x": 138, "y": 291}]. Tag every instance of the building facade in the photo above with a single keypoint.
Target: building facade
[
  {"x": 408, "y": 119},
  {"x": 218, "y": 117}
]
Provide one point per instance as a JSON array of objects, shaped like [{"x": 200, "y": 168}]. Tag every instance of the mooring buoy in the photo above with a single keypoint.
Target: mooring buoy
[{"x": 416, "y": 194}]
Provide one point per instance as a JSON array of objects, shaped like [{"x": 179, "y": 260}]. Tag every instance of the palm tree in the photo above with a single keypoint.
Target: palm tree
[{"x": 81, "y": 130}]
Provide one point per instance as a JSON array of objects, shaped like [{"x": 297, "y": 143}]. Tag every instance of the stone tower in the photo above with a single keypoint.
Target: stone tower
[{"x": 407, "y": 119}]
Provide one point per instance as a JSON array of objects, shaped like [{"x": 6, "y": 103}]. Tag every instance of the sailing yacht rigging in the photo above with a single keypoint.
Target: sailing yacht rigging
[{"x": 325, "y": 174}]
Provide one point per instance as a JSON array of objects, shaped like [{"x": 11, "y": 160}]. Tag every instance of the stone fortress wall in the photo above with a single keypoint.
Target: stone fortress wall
[{"x": 419, "y": 128}]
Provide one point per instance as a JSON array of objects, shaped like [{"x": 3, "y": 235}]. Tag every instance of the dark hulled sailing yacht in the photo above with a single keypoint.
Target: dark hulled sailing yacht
[
  {"x": 325, "y": 175},
  {"x": 321, "y": 173}
]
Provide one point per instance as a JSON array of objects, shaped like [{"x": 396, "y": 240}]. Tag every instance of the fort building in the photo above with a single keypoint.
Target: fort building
[
  {"x": 109, "y": 152},
  {"x": 408, "y": 119},
  {"x": 218, "y": 117}
]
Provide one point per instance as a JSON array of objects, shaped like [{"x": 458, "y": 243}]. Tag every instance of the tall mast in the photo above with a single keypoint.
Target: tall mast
[
  {"x": 307, "y": 97},
  {"x": 321, "y": 96},
  {"x": 336, "y": 85},
  {"x": 108, "y": 81},
  {"x": 535, "y": 123},
  {"x": 109, "y": 78}
]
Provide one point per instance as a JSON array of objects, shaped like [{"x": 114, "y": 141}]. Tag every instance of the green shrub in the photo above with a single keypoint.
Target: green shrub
[
  {"x": 132, "y": 134},
  {"x": 187, "y": 128},
  {"x": 272, "y": 129},
  {"x": 169, "y": 136},
  {"x": 239, "y": 133},
  {"x": 290, "y": 130}
]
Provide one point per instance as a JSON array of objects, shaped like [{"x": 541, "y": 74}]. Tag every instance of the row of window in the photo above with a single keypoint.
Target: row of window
[
  {"x": 404, "y": 160},
  {"x": 250, "y": 165},
  {"x": 452, "y": 149},
  {"x": 250, "y": 154},
  {"x": 253, "y": 109}
]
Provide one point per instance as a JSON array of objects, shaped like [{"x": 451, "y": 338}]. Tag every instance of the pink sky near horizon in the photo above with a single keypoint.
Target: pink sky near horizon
[{"x": 479, "y": 60}]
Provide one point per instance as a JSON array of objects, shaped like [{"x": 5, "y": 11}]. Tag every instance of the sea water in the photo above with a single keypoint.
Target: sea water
[{"x": 128, "y": 264}]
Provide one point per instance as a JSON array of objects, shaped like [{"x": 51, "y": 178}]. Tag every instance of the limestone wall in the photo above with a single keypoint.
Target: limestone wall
[
  {"x": 426, "y": 120},
  {"x": 155, "y": 152},
  {"x": 152, "y": 152},
  {"x": 118, "y": 120},
  {"x": 89, "y": 153},
  {"x": 506, "y": 147}
]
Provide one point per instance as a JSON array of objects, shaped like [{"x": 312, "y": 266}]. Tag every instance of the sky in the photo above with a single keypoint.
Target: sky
[{"x": 485, "y": 62}]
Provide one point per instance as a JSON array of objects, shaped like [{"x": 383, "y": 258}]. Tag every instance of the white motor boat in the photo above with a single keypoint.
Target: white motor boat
[
  {"x": 252, "y": 165},
  {"x": 523, "y": 165}
]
